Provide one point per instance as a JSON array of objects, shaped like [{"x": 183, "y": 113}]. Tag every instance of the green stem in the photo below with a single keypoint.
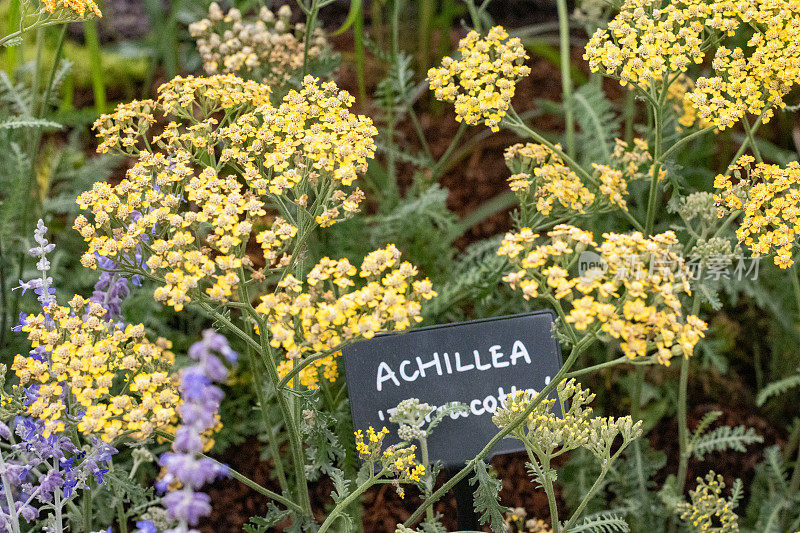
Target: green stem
[
  {"x": 566, "y": 79},
  {"x": 337, "y": 511},
  {"x": 520, "y": 418},
  {"x": 96, "y": 65},
  {"x": 651, "y": 200},
  {"x": 440, "y": 166},
  {"x": 688, "y": 138},
  {"x": 751, "y": 138},
  {"x": 258, "y": 381},
  {"x": 598, "y": 483},
  {"x": 49, "y": 88},
  {"x": 683, "y": 429},
  {"x": 748, "y": 139},
  {"x": 630, "y": 115},
  {"x": 551, "y": 496},
  {"x": 618, "y": 361},
  {"x": 423, "y": 450},
  {"x": 86, "y": 501}
]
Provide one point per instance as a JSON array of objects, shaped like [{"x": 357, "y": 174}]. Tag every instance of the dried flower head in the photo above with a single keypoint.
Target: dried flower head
[{"x": 266, "y": 48}]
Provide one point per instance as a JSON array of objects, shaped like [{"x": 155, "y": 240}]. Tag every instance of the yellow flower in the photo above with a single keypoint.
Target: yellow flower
[
  {"x": 482, "y": 82},
  {"x": 632, "y": 294},
  {"x": 769, "y": 196},
  {"x": 79, "y": 7},
  {"x": 87, "y": 354},
  {"x": 648, "y": 43},
  {"x": 325, "y": 310}
]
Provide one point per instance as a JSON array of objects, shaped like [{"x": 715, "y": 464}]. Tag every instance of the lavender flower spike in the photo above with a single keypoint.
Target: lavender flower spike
[
  {"x": 201, "y": 401},
  {"x": 42, "y": 285}
]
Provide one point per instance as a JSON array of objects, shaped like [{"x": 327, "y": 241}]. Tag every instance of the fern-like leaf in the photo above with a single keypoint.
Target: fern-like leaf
[
  {"x": 30, "y": 123},
  {"x": 599, "y": 123},
  {"x": 708, "y": 419},
  {"x": 725, "y": 438},
  {"x": 777, "y": 387},
  {"x": 604, "y": 522},
  {"x": 486, "y": 498}
]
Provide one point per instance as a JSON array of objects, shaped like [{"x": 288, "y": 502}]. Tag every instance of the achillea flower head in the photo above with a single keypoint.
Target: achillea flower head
[
  {"x": 650, "y": 42},
  {"x": 227, "y": 160},
  {"x": 268, "y": 47},
  {"x": 769, "y": 196},
  {"x": 198, "y": 412},
  {"x": 632, "y": 293},
  {"x": 482, "y": 81},
  {"x": 326, "y": 310},
  {"x": 78, "y": 352},
  {"x": 78, "y": 7},
  {"x": 542, "y": 179}
]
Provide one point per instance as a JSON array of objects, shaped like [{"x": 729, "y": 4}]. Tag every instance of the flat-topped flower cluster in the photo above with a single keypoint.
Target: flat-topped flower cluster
[
  {"x": 651, "y": 41},
  {"x": 483, "y": 81},
  {"x": 632, "y": 293}
]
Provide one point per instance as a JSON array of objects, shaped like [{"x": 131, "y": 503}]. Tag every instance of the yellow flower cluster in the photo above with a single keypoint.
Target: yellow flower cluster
[
  {"x": 79, "y": 7},
  {"x": 289, "y": 147},
  {"x": 649, "y": 42},
  {"x": 187, "y": 208},
  {"x": 400, "y": 462},
  {"x": 326, "y": 309},
  {"x": 709, "y": 510},
  {"x": 119, "y": 380},
  {"x": 678, "y": 93},
  {"x": 632, "y": 293},
  {"x": 268, "y": 48},
  {"x": 628, "y": 163},
  {"x": 770, "y": 198},
  {"x": 482, "y": 82},
  {"x": 535, "y": 165}
]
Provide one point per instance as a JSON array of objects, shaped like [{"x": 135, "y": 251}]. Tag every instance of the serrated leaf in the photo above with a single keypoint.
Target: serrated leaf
[
  {"x": 599, "y": 123},
  {"x": 777, "y": 387},
  {"x": 486, "y": 498},
  {"x": 725, "y": 438},
  {"x": 605, "y": 522},
  {"x": 30, "y": 123},
  {"x": 708, "y": 419}
]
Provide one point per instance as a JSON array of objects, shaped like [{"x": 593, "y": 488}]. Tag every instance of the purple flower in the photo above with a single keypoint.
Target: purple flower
[
  {"x": 145, "y": 526},
  {"x": 42, "y": 285},
  {"x": 201, "y": 401},
  {"x": 187, "y": 505},
  {"x": 192, "y": 472}
]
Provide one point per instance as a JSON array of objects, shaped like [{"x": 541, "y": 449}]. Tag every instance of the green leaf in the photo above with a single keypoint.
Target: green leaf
[
  {"x": 30, "y": 123},
  {"x": 777, "y": 387},
  {"x": 486, "y": 497},
  {"x": 355, "y": 7},
  {"x": 725, "y": 438},
  {"x": 599, "y": 123},
  {"x": 708, "y": 419},
  {"x": 604, "y": 522}
]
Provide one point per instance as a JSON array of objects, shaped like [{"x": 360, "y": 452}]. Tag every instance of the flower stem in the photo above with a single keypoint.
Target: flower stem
[
  {"x": 651, "y": 200},
  {"x": 566, "y": 78},
  {"x": 337, "y": 511},
  {"x": 521, "y": 417},
  {"x": 683, "y": 429}
]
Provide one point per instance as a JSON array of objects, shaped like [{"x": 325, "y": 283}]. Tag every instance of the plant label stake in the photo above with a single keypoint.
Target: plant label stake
[{"x": 476, "y": 363}]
